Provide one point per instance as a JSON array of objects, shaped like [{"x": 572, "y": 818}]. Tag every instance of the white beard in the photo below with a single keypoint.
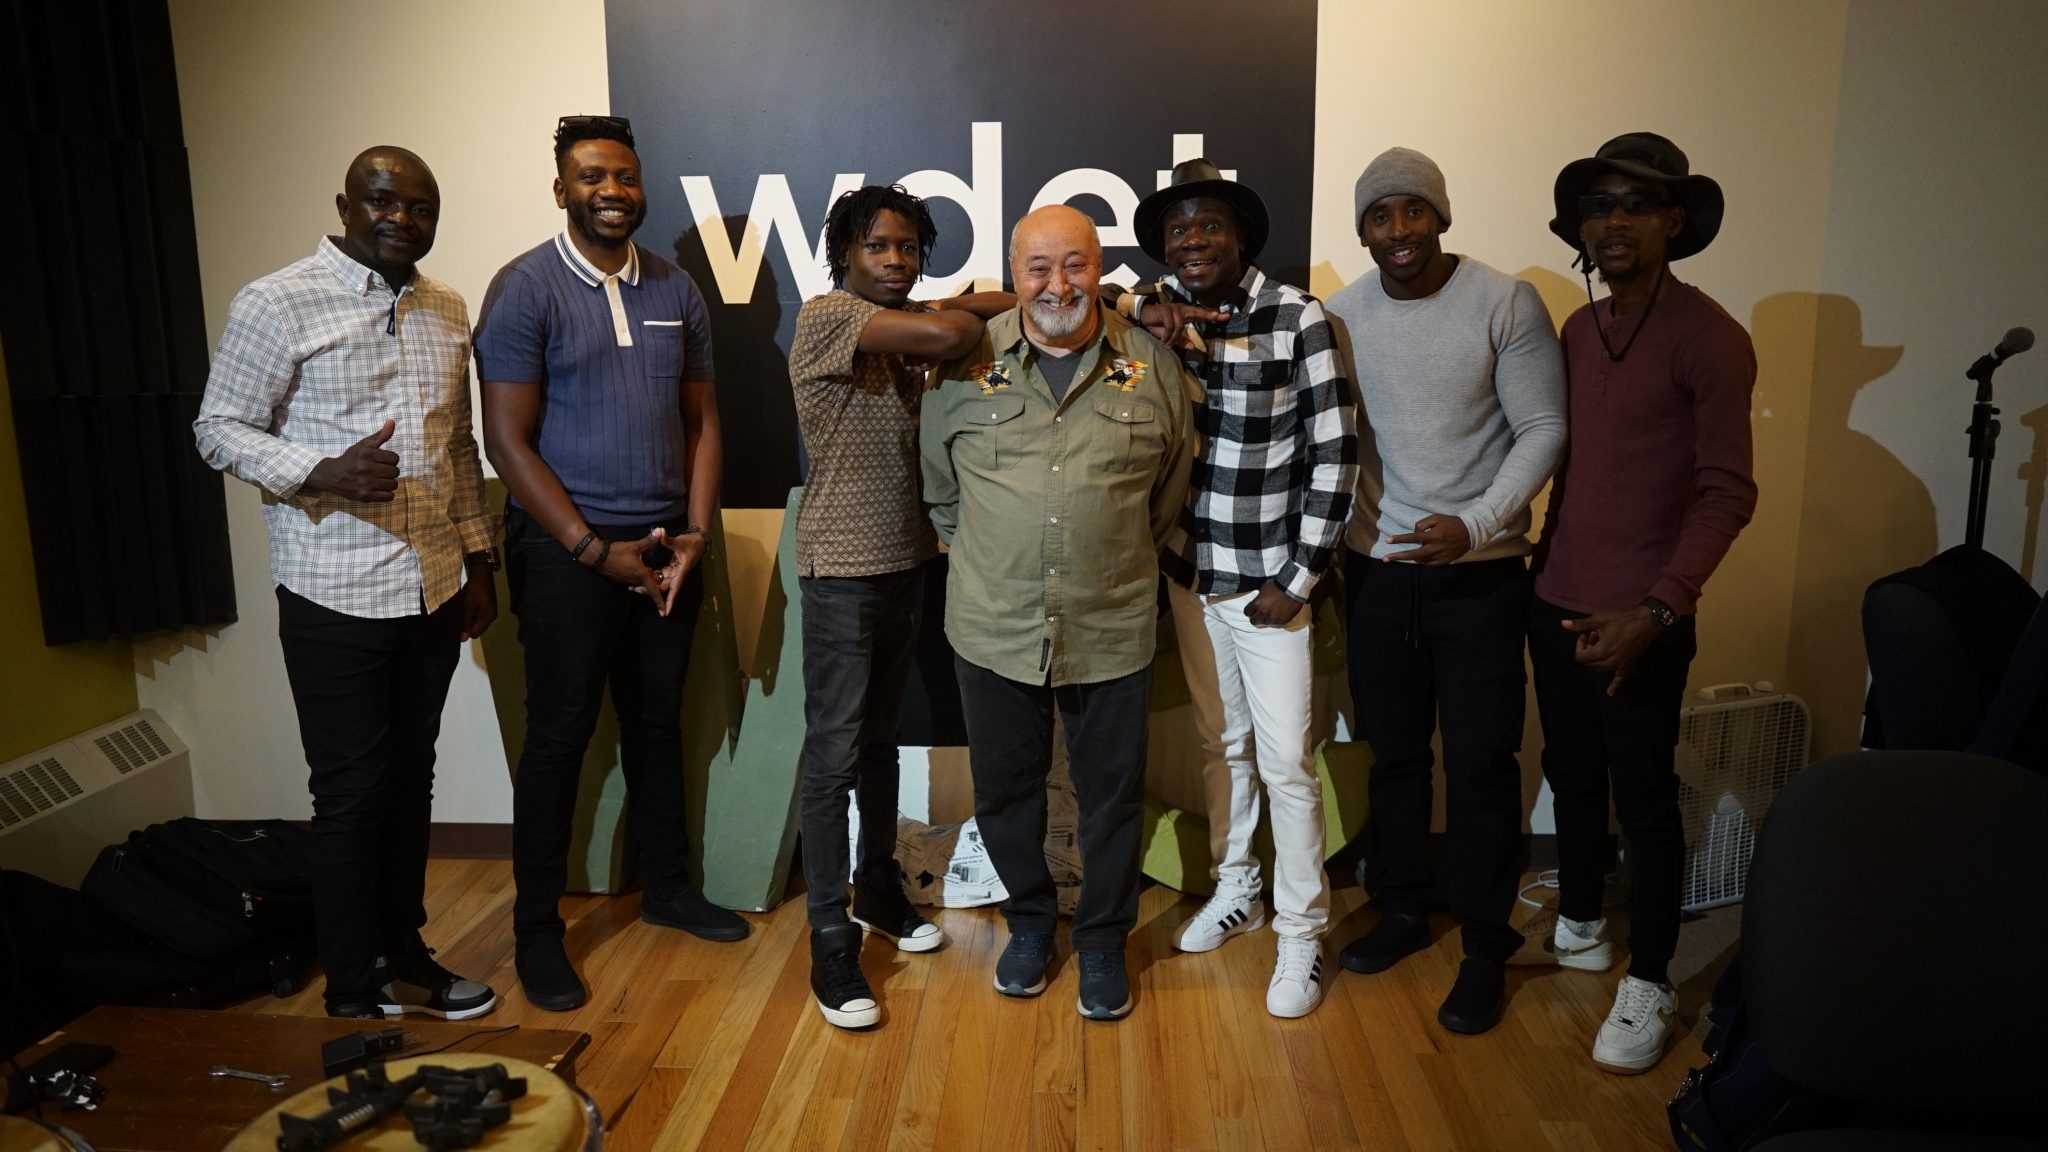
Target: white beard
[{"x": 1054, "y": 321}]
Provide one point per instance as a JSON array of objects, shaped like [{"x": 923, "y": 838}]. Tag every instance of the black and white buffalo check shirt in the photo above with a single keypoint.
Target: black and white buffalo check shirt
[{"x": 1278, "y": 457}]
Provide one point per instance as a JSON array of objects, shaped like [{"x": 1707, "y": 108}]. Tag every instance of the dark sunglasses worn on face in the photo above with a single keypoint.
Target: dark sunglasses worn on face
[{"x": 1597, "y": 205}]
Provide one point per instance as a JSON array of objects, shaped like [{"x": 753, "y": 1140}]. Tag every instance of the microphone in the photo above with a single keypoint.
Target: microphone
[{"x": 2017, "y": 340}]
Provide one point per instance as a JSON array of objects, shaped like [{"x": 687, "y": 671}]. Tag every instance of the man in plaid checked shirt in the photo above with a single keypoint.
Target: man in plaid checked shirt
[
  {"x": 1268, "y": 497},
  {"x": 341, "y": 389}
]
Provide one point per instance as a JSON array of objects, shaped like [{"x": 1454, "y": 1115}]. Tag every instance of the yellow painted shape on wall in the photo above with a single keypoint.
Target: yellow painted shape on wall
[{"x": 48, "y": 694}]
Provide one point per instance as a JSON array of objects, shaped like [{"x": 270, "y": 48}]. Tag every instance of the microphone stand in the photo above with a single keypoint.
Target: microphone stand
[{"x": 1983, "y": 432}]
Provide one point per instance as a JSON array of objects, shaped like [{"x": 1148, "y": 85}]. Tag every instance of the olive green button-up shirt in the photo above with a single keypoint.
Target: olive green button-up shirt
[{"x": 1056, "y": 510}]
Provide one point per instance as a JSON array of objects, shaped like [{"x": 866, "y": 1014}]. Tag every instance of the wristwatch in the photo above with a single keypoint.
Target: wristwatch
[
  {"x": 1660, "y": 612},
  {"x": 488, "y": 556}
]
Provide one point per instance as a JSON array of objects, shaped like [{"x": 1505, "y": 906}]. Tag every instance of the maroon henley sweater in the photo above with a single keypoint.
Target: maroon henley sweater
[{"x": 1656, "y": 477}]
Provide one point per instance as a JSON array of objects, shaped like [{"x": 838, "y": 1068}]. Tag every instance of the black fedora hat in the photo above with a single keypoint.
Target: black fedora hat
[
  {"x": 1645, "y": 156},
  {"x": 1198, "y": 177}
]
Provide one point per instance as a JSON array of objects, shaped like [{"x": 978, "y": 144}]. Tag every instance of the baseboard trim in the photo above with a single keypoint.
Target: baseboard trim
[{"x": 452, "y": 841}]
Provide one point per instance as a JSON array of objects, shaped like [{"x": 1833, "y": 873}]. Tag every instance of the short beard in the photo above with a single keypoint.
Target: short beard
[{"x": 1058, "y": 323}]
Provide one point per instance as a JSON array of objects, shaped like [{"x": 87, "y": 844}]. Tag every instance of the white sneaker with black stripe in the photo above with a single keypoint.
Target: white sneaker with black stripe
[
  {"x": 1297, "y": 985},
  {"x": 1221, "y": 918}
]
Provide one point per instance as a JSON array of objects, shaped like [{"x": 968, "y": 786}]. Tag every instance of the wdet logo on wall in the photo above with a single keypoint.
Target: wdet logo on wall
[{"x": 752, "y": 117}]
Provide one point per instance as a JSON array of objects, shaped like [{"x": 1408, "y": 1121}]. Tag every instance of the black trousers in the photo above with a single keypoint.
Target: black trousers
[
  {"x": 582, "y": 634},
  {"x": 1009, "y": 743},
  {"x": 1444, "y": 645},
  {"x": 1627, "y": 742},
  {"x": 860, "y": 634},
  {"x": 369, "y": 696}
]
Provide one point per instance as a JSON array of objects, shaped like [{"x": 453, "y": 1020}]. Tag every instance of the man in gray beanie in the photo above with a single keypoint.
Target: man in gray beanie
[{"x": 1461, "y": 388}]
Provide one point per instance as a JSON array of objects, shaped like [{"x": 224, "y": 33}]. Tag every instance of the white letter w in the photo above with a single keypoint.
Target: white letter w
[{"x": 773, "y": 210}]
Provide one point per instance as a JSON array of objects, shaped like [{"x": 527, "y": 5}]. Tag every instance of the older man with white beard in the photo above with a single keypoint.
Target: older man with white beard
[{"x": 1056, "y": 459}]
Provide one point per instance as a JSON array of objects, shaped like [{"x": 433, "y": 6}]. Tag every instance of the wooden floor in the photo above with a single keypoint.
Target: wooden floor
[{"x": 718, "y": 1046}]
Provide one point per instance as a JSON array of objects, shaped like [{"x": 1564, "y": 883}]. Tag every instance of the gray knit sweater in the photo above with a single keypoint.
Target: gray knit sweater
[{"x": 1462, "y": 408}]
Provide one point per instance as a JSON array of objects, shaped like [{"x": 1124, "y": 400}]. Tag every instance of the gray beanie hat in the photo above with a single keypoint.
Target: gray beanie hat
[{"x": 1400, "y": 172}]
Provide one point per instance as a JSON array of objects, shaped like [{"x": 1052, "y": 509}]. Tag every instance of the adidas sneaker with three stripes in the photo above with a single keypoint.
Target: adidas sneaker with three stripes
[
  {"x": 1221, "y": 918},
  {"x": 1297, "y": 985}
]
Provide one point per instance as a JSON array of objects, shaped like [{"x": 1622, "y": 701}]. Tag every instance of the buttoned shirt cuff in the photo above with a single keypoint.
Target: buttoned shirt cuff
[
  {"x": 288, "y": 469},
  {"x": 1297, "y": 581},
  {"x": 476, "y": 534}
]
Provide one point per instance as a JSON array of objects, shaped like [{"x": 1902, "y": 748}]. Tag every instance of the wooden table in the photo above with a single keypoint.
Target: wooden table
[{"x": 160, "y": 1096}]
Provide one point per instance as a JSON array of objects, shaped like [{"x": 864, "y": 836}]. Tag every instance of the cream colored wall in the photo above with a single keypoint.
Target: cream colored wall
[
  {"x": 277, "y": 99},
  {"x": 1503, "y": 95}
]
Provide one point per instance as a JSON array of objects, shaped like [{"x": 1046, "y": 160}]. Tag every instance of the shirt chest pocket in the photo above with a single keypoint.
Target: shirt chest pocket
[
  {"x": 1129, "y": 435},
  {"x": 661, "y": 349},
  {"x": 991, "y": 435}
]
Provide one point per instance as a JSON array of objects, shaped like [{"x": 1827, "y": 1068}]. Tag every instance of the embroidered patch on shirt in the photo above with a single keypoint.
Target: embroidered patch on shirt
[
  {"x": 1124, "y": 374},
  {"x": 992, "y": 377}
]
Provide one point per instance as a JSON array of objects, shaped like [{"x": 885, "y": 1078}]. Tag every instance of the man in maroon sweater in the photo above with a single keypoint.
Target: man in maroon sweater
[{"x": 1654, "y": 487}]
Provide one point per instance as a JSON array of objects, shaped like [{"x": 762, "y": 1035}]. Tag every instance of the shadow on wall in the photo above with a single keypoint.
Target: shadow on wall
[
  {"x": 1864, "y": 515},
  {"x": 756, "y": 410}
]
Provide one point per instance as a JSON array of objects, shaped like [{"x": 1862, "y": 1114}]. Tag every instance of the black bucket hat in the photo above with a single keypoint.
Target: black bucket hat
[
  {"x": 1645, "y": 156},
  {"x": 1193, "y": 178}
]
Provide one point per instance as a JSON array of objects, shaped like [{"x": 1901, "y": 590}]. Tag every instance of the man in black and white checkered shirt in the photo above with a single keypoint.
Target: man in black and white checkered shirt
[{"x": 1268, "y": 498}]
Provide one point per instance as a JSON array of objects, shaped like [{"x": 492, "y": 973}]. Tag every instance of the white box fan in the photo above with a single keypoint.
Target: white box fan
[{"x": 1736, "y": 750}]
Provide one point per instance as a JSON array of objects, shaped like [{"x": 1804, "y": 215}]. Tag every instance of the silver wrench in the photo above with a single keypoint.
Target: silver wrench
[{"x": 272, "y": 1081}]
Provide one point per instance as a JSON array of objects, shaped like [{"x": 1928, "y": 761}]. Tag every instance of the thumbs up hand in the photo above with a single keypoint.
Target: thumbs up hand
[{"x": 363, "y": 471}]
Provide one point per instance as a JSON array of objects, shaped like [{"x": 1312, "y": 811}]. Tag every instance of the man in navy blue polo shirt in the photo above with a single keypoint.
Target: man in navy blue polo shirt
[{"x": 600, "y": 416}]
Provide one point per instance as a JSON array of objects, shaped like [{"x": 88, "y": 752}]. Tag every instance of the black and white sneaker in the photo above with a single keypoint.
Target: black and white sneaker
[
  {"x": 1224, "y": 916},
  {"x": 415, "y": 983},
  {"x": 1297, "y": 985},
  {"x": 894, "y": 916},
  {"x": 1021, "y": 970},
  {"x": 1105, "y": 988},
  {"x": 837, "y": 983}
]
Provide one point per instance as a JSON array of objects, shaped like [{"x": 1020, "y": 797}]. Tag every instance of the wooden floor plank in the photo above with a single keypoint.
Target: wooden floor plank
[{"x": 719, "y": 1046}]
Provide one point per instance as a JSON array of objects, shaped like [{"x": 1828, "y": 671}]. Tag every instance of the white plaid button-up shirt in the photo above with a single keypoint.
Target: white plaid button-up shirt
[{"x": 315, "y": 357}]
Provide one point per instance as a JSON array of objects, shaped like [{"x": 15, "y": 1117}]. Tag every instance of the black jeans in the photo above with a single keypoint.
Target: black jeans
[
  {"x": 369, "y": 696},
  {"x": 860, "y": 634},
  {"x": 1627, "y": 741},
  {"x": 1444, "y": 644},
  {"x": 1009, "y": 744},
  {"x": 583, "y": 632}
]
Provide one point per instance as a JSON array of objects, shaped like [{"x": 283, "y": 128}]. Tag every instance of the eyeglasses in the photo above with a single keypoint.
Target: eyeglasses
[
  {"x": 616, "y": 123},
  {"x": 1599, "y": 205}
]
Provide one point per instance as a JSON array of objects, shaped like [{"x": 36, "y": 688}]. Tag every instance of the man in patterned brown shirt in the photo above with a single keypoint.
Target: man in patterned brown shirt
[{"x": 862, "y": 538}]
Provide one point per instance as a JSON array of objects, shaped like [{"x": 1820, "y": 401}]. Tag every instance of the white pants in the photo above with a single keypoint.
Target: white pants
[{"x": 1252, "y": 690}]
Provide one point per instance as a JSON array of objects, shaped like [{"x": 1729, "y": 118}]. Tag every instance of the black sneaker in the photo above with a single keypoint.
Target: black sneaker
[
  {"x": 1021, "y": 970},
  {"x": 1105, "y": 989},
  {"x": 837, "y": 983},
  {"x": 1474, "y": 1004},
  {"x": 894, "y": 916},
  {"x": 546, "y": 976},
  {"x": 692, "y": 913},
  {"x": 415, "y": 983},
  {"x": 1393, "y": 937}
]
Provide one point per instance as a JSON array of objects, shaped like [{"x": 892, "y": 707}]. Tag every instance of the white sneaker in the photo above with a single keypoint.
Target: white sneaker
[
  {"x": 1632, "y": 1039},
  {"x": 1221, "y": 918},
  {"x": 1582, "y": 944},
  {"x": 1297, "y": 985}
]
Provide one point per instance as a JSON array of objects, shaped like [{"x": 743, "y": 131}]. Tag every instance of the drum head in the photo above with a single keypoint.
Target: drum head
[{"x": 549, "y": 1118}]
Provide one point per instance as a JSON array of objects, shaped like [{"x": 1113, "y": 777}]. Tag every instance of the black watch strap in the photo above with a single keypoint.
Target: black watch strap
[
  {"x": 488, "y": 556},
  {"x": 1661, "y": 612}
]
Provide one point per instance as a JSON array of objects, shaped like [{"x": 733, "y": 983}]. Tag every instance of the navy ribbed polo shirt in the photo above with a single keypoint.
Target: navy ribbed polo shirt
[{"x": 610, "y": 355}]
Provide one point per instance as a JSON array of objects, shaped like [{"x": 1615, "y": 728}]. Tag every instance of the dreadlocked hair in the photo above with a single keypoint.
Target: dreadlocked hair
[{"x": 853, "y": 214}]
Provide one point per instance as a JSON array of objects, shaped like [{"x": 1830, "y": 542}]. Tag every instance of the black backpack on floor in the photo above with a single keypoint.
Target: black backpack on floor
[{"x": 209, "y": 889}]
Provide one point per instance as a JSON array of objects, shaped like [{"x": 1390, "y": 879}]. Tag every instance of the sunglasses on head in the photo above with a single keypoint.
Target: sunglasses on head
[
  {"x": 1598, "y": 205},
  {"x": 616, "y": 122}
]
